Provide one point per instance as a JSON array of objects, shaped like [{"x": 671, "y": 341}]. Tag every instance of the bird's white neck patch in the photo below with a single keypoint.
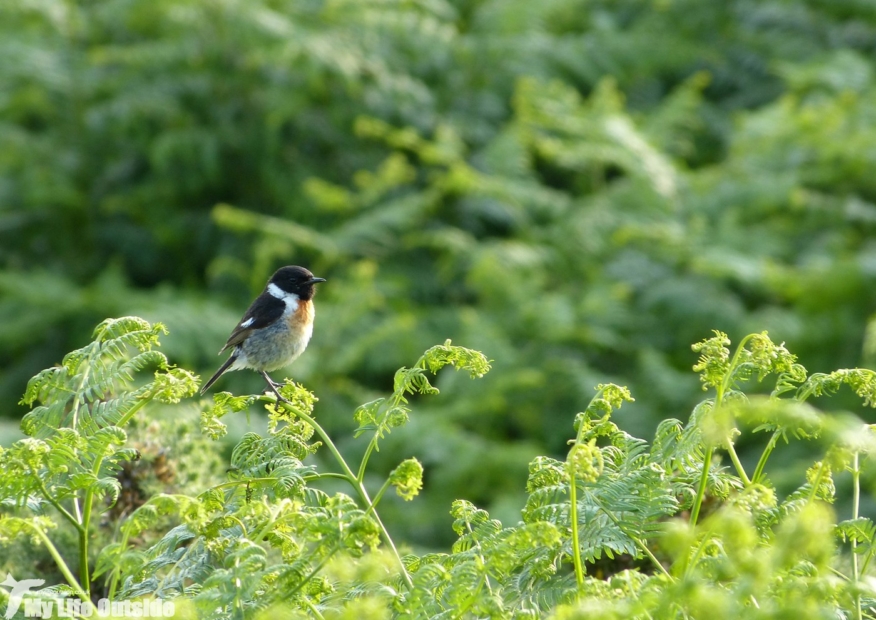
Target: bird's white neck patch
[
  {"x": 276, "y": 291},
  {"x": 290, "y": 299}
]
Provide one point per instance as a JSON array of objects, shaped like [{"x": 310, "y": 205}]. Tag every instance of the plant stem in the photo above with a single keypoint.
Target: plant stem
[
  {"x": 761, "y": 463},
  {"x": 690, "y": 562},
  {"x": 378, "y": 497},
  {"x": 701, "y": 490},
  {"x": 460, "y": 613},
  {"x": 54, "y": 502},
  {"x": 573, "y": 508},
  {"x": 707, "y": 460},
  {"x": 117, "y": 569},
  {"x": 348, "y": 474},
  {"x": 576, "y": 545},
  {"x": 639, "y": 542},
  {"x": 736, "y": 463},
  {"x": 237, "y": 483},
  {"x": 363, "y": 493},
  {"x": 84, "y": 573},
  {"x": 393, "y": 401},
  {"x": 483, "y": 560},
  {"x": 88, "y": 504},
  {"x": 312, "y": 608},
  {"x": 62, "y": 565},
  {"x": 272, "y": 520},
  {"x": 144, "y": 399},
  {"x": 76, "y": 400},
  {"x": 372, "y": 445},
  {"x": 360, "y": 476},
  {"x": 856, "y": 505},
  {"x": 311, "y": 575},
  {"x": 817, "y": 482}
]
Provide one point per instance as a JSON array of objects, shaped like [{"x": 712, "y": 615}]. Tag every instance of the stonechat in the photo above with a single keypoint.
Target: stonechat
[{"x": 275, "y": 329}]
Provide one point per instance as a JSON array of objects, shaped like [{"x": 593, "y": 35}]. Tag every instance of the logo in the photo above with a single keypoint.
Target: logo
[
  {"x": 47, "y": 603},
  {"x": 19, "y": 589}
]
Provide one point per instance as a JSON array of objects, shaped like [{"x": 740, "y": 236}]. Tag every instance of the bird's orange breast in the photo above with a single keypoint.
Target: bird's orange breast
[{"x": 301, "y": 321}]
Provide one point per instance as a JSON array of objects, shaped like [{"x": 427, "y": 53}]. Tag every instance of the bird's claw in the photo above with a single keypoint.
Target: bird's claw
[{"x": 275, "y": 388}]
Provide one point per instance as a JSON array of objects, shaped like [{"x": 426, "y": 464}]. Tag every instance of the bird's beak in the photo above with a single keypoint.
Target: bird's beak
[{"x": 316, "y": 280}]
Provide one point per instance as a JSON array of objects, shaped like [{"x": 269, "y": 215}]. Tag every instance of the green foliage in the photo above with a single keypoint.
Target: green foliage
[
  {"x": 77, "y": 394},
  {"x": 77, "y": 444},
  {"x": 592, "y": 185},
  {"x": 580, "y": 189},
  {"x": 407, "y": 479},
  {"x": 620, "y": 529}
]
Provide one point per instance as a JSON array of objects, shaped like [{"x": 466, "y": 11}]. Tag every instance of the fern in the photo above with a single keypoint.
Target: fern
[
  {"x": 604, "y": 532},
  {"x": 77, "y": 444},
  {"x": 81, "y": 392}
]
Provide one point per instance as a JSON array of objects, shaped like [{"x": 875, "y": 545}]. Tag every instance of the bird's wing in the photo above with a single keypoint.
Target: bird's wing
[{"x": 264, "y": 311}]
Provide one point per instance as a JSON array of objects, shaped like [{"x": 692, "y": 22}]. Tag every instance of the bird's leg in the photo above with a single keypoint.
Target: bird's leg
[{"x": 274, "y": 385}]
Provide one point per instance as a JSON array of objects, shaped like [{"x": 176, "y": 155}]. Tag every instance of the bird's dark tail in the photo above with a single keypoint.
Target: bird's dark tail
[{"x": 219, "y": 372}]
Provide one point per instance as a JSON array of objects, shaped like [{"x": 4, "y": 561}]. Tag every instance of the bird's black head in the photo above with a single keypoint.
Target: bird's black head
[{"x": 297, "y": 280}]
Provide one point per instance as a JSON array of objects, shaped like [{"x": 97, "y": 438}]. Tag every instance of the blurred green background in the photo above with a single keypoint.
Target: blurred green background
[{"x": 578, "y": 188}]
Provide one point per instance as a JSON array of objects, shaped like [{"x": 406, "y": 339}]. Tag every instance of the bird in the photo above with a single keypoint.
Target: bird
[{"x": 275, "y": 329}]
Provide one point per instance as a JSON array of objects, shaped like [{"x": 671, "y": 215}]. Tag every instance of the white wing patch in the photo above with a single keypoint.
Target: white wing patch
[{"x": 247, "y": 322}]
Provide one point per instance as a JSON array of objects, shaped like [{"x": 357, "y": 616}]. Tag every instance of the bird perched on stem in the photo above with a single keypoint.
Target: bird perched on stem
[{"x": 275, "y": 329}]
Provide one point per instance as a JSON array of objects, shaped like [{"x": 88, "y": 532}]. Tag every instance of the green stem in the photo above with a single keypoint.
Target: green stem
[
  {"x": 378, "y": 497},
  {"x": 736, "y": 463},
  {"x": 348, "y": 474},
  {"x": 573, "y": 512},
  {"x": 767, "y": 451},
  {"x": 144, "y": 399},
  {"x": 62, "y": 565},
  {"x": 78, "y": 401},
  {"x": 363, "y": 493},
  {"x": 463, "y": 609},
  {"x": 54, "y": 502},
  {"x": 639, "y": 542},
  {"x": 839, "y": 574},
  {"x": 88, "y": 504},
  {"x": 84, "y": 573},
  {"x": 168, "y": 573},
  {"x": 576, "y": 544},
  {"x": 866, "y": 563},
  {"x": 330, "y": 474},
  {"x": 707, "y": 461},
  {"x": 856, "y": 505},
  {"x": 310, "y": 576},
  {"x": 393, "y": 401},
  {"x": 692, "y": 561},
  {"x": 701, "y": 490},
  {"x": 573, "y": 509},
  {"x": 312, "y": 608},
  {"x": 117, "y": 569},
  {"x": 477, "y": 543},
  {"x": 76, "y": 511},
  {"x": 275, "y": 513},
  {"x": 237, "y": 483},
  {"x": 817, "y": 482},
  {"x": 360, "y": 476}
]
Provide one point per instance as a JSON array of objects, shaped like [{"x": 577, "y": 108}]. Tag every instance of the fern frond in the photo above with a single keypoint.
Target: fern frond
[
  {"x": 92, "y": 386},
  {"x": 861, "y": 380}
]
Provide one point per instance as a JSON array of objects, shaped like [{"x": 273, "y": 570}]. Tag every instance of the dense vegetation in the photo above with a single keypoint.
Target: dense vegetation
[
  {"x": 579, "y": 189},
  {"x": 691, "y": 538}
]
